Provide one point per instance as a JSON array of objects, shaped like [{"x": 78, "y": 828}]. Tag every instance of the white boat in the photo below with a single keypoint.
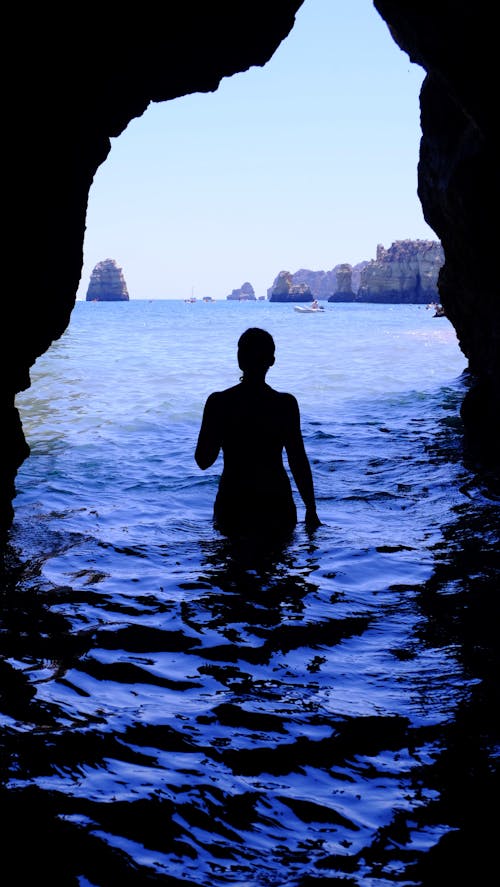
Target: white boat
[{"x": 308, "y": 309}]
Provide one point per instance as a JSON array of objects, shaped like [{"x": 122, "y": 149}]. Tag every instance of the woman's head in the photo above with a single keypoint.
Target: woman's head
[{"x": 255, "y": 351}]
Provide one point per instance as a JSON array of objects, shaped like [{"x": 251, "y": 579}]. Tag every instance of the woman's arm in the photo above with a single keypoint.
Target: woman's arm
[
  {"x": 208, "y": 445},
  {"x": 299, "y": 463}
]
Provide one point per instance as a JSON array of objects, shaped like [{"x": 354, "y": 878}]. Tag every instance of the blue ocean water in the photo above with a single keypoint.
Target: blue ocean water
[{"x": 182, "y": 711}]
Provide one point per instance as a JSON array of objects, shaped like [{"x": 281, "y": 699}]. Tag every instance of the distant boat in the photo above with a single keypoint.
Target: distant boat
[
  {"x": 192, "y": 299},
  {"x": 208, "y": 299},
  {"x": 308, "y": 309}
]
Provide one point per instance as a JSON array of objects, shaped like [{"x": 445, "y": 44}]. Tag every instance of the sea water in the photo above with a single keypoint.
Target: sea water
[{"x": 180, "y": 710}]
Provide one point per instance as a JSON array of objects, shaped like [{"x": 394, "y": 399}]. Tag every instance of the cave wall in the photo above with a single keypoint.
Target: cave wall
[
  {"x": 73, "y": 80},
  {"x": 458, "y": 186}
]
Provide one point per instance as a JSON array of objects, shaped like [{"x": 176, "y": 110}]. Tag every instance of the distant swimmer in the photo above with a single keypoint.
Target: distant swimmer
[{"x": 252, "y": 424}]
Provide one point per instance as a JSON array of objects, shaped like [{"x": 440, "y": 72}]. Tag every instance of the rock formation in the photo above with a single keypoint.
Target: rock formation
[
  {"x": 245, "y": 293},
  {"x": 407, "y": 272},
  {"x": 343, "y": 291},
  {"x": 458, "y": 186},
  {"x": 107, "y": 283},
  {"x": 321, "y": 284},
  {"x": 285, "y": 290},
  {"x": 63, "y": 112},
  {"x": 318, "y": 284}
]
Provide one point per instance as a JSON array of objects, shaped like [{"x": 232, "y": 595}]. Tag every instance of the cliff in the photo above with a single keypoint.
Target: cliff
[
  {"x": 320, "y": 284},
  {"x": 405, "y": 273},
  {"x": 107, "y": 283},
  {"x": 284, "y": 289},
  {"x": 325, "y": 284}
]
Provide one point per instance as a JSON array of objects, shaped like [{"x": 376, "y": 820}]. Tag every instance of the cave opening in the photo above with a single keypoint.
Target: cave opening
[{"x": 308, "y": 160}]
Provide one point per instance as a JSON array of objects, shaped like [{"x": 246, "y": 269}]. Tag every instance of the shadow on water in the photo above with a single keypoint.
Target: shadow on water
[
  {"x": 197, "y": 738},
  {"x": 460, "y": 607}
]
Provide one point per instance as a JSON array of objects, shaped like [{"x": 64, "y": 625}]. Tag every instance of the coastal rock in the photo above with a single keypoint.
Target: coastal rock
[
  {"x": 317, "y": 284},
  {"x": 284, "y": 289},
  {"x": 343, "y": 284},
  {"x": 107, "y": 283},
  {"x": 321, "y": 284},
  {"x": 245, "y": 293},
  {"x": 405, "y": 273}
]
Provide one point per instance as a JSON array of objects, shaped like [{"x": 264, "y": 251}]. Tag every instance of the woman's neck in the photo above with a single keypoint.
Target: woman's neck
[{"x": 256, "y": 380}]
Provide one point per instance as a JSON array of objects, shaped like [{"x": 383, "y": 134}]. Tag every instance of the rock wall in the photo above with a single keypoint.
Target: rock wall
[
  {"x": 407, "y": 272},
  {"x": 284, "y": 289},
  {"x": 69, "y": 88},
  {"x": 325, "y": 284},
  {"x": 321, "y": 284},
  {"x": 458, "y": 185}
]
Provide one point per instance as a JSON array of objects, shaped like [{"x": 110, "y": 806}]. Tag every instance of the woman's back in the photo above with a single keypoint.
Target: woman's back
[{"x": 252, "y": 423}]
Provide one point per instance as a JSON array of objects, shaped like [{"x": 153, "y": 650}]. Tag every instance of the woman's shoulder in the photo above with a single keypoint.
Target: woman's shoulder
[
  {"x": 286, "y": 403},
  {"x": 219, "y": 397},
  {"x": 285, "y": 397}
]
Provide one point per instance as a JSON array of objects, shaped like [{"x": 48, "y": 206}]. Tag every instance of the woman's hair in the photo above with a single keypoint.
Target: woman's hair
[{"x": 255, "y": 350}]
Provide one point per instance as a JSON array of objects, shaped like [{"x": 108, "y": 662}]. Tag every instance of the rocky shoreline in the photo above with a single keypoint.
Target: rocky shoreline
[{"x": 405, "y": 273}]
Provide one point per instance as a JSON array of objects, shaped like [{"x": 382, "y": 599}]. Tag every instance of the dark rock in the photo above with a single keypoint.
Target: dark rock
[
  {"x": 107, "y": 283},
  {"x": 458, "y": 182}
]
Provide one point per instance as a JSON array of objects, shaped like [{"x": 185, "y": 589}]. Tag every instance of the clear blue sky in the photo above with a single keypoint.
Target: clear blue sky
[{"x": 305, "y": 163}]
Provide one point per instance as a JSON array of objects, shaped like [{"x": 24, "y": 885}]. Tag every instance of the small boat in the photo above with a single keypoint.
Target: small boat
[{"x": 308, "y": 309}]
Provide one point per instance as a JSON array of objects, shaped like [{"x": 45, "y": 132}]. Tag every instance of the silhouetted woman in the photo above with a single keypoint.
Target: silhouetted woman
[{"x": 252, "y": 424}]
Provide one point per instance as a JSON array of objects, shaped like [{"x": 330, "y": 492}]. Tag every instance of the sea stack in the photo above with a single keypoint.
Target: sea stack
[
  {"x": 245, "y": 293},
  {"x": 343, "y": 290},
  {"x": 107, "y": 283}
]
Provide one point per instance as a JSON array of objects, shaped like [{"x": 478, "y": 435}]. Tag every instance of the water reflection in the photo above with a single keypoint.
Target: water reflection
[
  {"x": 307, "y": 714},
  {"x": 460, "y": 606}
]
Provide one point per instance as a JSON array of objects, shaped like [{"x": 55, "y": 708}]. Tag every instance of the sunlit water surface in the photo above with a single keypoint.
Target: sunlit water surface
[{"x": 179, "y": 710}]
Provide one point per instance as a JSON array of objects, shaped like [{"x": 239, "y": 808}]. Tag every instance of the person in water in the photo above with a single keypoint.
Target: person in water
[{"x": 252, "y": 424}]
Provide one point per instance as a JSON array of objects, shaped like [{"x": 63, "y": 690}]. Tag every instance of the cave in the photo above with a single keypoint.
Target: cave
[{"x": 78, "y": 83}]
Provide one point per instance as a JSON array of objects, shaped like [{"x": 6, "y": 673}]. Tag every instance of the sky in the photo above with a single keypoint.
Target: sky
[{"x": 306, "y": 162}]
